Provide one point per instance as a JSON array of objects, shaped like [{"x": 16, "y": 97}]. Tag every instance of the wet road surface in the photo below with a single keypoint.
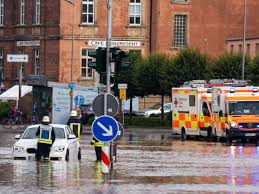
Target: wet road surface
[{"x": 148, "y": 161}]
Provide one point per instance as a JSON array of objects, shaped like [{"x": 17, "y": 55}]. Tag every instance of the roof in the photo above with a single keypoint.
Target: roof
[
  {"x": 13, "y": 92},
  {"x": 54, "y": 125}
]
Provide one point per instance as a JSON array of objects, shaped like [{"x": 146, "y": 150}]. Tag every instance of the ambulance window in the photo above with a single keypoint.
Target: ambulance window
[
  {"x": 192, "y": 100},
  {"x": 205, "y": 109},
  {"x": 218, "y": 100}
]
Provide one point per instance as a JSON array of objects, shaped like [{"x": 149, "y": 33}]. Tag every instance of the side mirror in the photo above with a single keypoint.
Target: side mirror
[
  {"x": 17, "y": 137},
  {"x": 71, "y": 136},
  {"x": 220, "y": 113}
]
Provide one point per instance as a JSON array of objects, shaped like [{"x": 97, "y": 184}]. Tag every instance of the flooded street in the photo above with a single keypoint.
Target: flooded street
[{"x": 148, "y": 161}]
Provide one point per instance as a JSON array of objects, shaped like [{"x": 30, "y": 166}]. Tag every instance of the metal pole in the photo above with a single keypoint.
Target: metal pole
[
  {"x": 72, "y": 2},
  {"x": 244, "y": 42},
  {"x": 108, "y": 67},
  {"x": 20, "y": 84}
]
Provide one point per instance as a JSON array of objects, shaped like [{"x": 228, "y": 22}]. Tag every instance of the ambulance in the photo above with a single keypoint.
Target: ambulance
[
  {"x": 191, "y": 112},
  {"x": 235, "y": 112}
]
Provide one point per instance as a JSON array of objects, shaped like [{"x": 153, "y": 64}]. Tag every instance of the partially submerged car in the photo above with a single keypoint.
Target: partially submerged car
[{"x": 65, "y": 146}]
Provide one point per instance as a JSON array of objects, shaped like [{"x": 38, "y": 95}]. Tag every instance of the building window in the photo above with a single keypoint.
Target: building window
[
  {"x": 257, "y": 49},
  {"x": 36, "y": 62},
  {"x": 180, "y": 31},
  {"x": 135, "y": 12},
  {"x": 22, "y": 11},
  {"x": 231, "y": 48},
  {"x": 248, "y": 49},
  {"x": 20, "y": 64},
  {"x": 1, "y": 12},
  {"x": 1, "y": 64},
  {"x": 86, "y": 72},
  {"x": 36, "y": 12},
  {"x": 87, "y": 11}
]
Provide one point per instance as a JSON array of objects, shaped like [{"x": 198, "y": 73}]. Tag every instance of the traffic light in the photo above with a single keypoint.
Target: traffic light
[
  {"x": 100, "y": 64},
  {"x": 117, "y": 56}
]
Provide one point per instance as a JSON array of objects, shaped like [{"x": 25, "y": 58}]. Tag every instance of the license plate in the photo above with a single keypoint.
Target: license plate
[{"x": 250, "y": 134}]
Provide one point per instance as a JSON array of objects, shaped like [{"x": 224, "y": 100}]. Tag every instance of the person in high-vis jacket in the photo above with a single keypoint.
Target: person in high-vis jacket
[
  {"x": 46, "y": 137},
  {"x": 75, "y": 124},
  {"x": 98, "y": 148}
]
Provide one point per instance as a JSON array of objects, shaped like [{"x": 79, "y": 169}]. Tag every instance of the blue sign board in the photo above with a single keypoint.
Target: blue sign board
[
  {"x": 79, "y": 100},
  {"x": 72, "y": 85},
  {"x": 105, "y": 128}
]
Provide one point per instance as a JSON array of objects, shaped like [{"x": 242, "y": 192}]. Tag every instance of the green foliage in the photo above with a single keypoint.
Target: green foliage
[
  {"x": 253, "y": 71},
  {"x": 229, "y": 66},
  {"x": 5, "y": 109},
  {"x": 189, "y": 64},
  {"x": 151, "y": 122},
  {"x": 153, "y": 77}
]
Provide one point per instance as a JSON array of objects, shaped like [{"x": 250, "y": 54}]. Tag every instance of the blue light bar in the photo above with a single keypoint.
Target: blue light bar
[
  {"x": 232, "y": 90},
  {"x": 257, "y": 126},
  {"x": 241, "y": 126}
]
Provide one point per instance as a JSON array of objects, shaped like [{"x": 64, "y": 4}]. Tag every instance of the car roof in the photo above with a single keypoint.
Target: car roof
[{"x": 54, "y": 125}]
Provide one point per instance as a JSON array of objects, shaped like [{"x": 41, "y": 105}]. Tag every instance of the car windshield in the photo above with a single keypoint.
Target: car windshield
[
  {"x": 244, "y": 108},
  {"x": 30, "y": 133}
]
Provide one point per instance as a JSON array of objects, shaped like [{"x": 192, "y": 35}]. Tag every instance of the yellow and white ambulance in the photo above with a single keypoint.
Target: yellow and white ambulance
[
  {"x": 235, "y": 112},
  {"x": 191, "y": 112}
]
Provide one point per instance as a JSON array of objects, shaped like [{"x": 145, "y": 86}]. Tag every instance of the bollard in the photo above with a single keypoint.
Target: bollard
[{"x": 105, "y": 159}]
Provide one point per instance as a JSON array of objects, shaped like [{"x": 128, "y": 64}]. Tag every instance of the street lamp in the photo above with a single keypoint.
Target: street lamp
[
  {"x": 244, "y": 42},
  {"x": 72, "y": 2}
]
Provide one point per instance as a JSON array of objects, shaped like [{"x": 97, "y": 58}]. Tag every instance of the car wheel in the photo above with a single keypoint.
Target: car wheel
[
  {"x": 183, "y": 135},
  {"x": 79, "y": 154},
  {"x": 67, "y": 155}
]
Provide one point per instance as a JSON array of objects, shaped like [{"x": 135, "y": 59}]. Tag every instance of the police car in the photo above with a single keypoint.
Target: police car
[{"x": 65, "y": 146}]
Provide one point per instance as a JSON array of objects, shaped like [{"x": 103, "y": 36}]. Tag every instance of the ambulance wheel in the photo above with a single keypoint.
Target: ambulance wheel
[
  {"x": 67, "y": 155},
  {"x": 228, "y": 137},
  {"x": 209, "y": 134},
  {"x": 79, "y": 154},
  {"x": 183, "y": 135}
]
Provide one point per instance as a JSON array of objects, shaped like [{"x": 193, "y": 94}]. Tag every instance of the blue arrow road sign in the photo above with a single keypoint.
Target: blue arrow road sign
[
  {"x": 105, "y": 128},
  {"x": 71, "y": 85}
]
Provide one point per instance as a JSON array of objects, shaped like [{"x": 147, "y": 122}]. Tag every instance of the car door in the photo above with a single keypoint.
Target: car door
[{"x": 72, "y": 146}]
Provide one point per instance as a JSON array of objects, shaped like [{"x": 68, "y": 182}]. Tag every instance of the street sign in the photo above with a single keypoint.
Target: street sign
[
  {"x": 122, "y": 86},
  {"x": 72, "y": 85},
  {"x": 120, "y": 132},
  {"x": 17, "y": 58},
  {"x": 122, "y": 94},
  {"x": 98, "y": 105},
  {"x": 105, "y": 128}
]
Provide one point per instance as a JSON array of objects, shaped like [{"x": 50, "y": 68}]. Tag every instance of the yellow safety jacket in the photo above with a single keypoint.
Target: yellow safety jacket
[
  {"x": 97, "y": 143},
  {"x": 77, "y": 127},
  {"x": 45, "y": 134}
]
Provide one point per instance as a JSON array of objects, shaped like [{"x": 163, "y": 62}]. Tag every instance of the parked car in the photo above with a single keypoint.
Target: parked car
[
  {"x": 155, "y": 112},
  {"x": 65, "y": 146},
  {"x": 87, "y": 112},
  {"x": 134, "y": 113}
]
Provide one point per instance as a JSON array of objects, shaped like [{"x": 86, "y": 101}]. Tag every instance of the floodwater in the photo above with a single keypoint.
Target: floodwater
[{"x": 148, "y": 161}]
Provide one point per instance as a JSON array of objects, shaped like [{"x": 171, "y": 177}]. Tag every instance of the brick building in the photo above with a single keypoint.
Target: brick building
[{"x": 43, "y": 30}]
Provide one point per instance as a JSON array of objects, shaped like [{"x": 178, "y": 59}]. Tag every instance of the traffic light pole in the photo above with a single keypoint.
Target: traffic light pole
[{"x": 108, "y": 67}]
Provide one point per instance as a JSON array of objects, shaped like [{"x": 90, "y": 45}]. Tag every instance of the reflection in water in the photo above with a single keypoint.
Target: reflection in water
[{"x": 245, "y": 172}]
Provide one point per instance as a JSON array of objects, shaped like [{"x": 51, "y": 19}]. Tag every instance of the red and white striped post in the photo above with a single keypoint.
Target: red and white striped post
[{"x": 105, "y": 159}]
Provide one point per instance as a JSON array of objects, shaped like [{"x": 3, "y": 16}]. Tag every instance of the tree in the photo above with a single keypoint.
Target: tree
[
  {"x": 153, "y": 76},
  {"x": 228, "y": 66},
  {"x": 189, "y": 64},
  {"x": 253, "y": 71}
]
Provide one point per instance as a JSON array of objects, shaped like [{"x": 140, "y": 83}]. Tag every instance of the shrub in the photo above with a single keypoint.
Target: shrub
[{"x": 4, "y": 109}]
